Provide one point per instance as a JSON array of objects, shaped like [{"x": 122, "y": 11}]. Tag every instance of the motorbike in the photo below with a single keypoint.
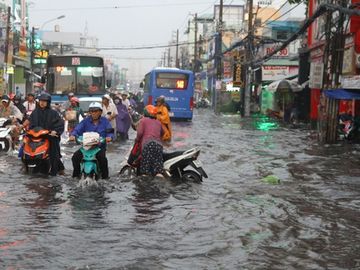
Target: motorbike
[
  {"x": 176, "y": 166},
  {"x": 90, "y": 146},
  {"x": 203, "y": 103},
  {"x": 346, "y": 127},
  {"x": 36, "y": 148},
  {"x": 6, "y": 141}
]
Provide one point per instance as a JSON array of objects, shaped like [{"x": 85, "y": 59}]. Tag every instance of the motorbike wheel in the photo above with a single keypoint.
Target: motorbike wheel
[
  {"x": 191, "y": 176},
  {"x": 127, "y": 172},
  {"x": 5, "y": 143}
]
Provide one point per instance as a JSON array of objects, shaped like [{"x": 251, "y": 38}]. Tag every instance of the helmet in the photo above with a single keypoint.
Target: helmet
[
  {"x": 150, "y": 111},
  {"x": 161, "y": 99},
  {"x": 95, "y": 105},
  {"x": 45, "y": 97},
  {"x": 71, "y": 94},
  {"x": 17, "y": 97},
  {"x": 5, "y": 98},
  {"x": 75, "y": 99},
  {"x": 106, "y": 96}
]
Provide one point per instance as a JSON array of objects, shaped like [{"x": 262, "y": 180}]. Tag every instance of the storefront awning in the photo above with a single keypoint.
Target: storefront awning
[{"x": 342, "y": 94}]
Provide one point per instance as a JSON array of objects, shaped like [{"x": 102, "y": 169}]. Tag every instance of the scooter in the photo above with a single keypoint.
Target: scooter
[
  {"x": 6, "y": 142},
  {"x": 346, "y": 127},
  {"x": 176, "y": 166},
  {"x": 90, "y": 146},
  {"x": 36, "y": 147}
]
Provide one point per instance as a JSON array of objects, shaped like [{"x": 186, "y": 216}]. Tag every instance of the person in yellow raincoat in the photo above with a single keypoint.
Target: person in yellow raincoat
[{"x": 164, "y": 118}]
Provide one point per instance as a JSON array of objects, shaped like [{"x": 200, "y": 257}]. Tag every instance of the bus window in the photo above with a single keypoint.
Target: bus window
[
  {"x": 64, "y": 79},
  {"x": 90, "y": 79},
  {"x": 175, "y": 81}
]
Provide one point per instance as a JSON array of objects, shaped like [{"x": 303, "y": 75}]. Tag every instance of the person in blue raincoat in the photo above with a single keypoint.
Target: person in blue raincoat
[{"x": 93, "y": 123}]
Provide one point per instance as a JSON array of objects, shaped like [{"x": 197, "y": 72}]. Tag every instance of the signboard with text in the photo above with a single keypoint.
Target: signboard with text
[{"x": 274, "y": 73}]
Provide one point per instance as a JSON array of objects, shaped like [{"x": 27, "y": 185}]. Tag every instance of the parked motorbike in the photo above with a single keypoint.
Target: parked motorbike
[
  {"x": 176, "y": 166},
  {"x": 346, "y": 127},
  {"x": 36, "y": 147},
  {"x": 203, "y": 103},
  {"x": 90, "y": 146}
]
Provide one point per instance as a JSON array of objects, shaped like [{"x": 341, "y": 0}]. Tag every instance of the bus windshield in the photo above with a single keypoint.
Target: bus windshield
[
  {"x": 177, "y": 81},
  {"x": 86, "y": 78}
]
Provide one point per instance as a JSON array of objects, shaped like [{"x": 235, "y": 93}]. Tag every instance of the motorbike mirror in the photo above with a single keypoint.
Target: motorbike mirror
[{"x": 141, "y": 85}]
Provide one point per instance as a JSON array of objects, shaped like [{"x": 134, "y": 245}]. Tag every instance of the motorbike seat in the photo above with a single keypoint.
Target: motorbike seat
[{"x": 167, "y": 156}]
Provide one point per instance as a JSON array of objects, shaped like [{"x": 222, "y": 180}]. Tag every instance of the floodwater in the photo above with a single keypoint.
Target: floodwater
[{"x": 274, "y": 199}]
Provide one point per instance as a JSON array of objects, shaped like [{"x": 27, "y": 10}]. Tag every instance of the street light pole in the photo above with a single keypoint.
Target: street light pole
[{"x": 51, "y": 20}]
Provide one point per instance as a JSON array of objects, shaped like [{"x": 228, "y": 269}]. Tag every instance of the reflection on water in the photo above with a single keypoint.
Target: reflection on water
[
  {"x": 306, "y": 219},
  {"x": 148, "y": 199}
]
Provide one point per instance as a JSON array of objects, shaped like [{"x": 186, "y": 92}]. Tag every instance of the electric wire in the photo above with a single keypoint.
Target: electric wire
[{"x": 117, "y": 7}]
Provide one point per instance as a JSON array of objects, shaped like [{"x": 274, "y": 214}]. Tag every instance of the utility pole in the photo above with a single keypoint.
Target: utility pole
[
  {"x": 7, "y": 43},
  {"x": 218, "y": 56},
  {"x": 195, "y": 42},
  {"x": 169, "y": 58},
  {"x": 177, "y": 49},
  {"x": 32, "y": 45},
  {"x": 247, "y": 94}
]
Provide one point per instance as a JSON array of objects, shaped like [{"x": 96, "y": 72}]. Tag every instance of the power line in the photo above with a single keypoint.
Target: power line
[{"x": 119, "y": 7}]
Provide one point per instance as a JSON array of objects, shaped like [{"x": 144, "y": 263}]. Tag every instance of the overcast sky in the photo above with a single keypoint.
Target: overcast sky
[{"x": 124, "y": 23}]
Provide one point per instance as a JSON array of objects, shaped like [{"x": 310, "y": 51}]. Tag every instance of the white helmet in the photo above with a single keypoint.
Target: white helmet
[{"x": 95, "y": 105}]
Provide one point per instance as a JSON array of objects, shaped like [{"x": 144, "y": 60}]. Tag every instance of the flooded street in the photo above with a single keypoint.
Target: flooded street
[{"x": 274, "y": 199}]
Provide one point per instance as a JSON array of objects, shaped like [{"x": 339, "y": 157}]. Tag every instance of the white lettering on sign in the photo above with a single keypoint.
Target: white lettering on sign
[{"x": 171, "y": 99}]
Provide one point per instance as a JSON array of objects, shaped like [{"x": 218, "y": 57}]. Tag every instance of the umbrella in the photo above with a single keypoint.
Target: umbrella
[{"x": 284, "y": 86}]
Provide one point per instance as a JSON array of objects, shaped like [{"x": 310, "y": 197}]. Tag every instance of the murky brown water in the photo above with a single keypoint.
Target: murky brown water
[{"x": 233, "y": 220}]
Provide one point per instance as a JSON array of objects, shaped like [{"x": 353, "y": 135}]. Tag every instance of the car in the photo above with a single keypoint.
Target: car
[{"x": 85, "y": 102}]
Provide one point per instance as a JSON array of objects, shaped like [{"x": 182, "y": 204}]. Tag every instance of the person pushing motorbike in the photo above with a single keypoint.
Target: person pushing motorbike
[{"x": 93, "y": 123}]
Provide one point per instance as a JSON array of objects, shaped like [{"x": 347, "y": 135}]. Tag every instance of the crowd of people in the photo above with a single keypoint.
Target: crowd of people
[{"x": 111, "y": 119}]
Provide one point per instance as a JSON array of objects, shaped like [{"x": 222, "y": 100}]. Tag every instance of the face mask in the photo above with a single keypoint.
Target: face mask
[{"x": 116, "y": 101}]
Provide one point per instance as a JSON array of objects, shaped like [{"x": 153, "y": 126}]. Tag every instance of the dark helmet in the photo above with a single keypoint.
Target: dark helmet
[
  {"x": 17, "y": 97},
  {"x": 5, "y": 98},
  {"x": 45, "y": 97},
  {"x": 150, "y": 111},
  {"x": 160, "y": 99}
]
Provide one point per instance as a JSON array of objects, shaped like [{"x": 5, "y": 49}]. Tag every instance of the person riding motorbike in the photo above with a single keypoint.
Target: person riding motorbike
[
  {"x": 47, "y": 118},
  {"x": 93, "y": 123},
  {"x": 13, "y": 115},
  {"x": 164, "y": 118},
  {"x": 148, "y": 134},
  {"x": 8, "y": 109},
  {"x": 73, "y": 112},
  {"x": 29, "y": 104}
]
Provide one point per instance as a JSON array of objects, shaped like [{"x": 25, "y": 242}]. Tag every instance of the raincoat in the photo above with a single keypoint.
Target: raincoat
[
  {"x": 123, "y": 120},
  {"x": 164, "y": 118},
  {"x": 49, "y": 119}
]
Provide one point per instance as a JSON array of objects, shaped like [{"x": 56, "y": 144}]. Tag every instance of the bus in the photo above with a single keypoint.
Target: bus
[
  {"x": 80, "y": 74},
  {"x": 176, "y": 85}
]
